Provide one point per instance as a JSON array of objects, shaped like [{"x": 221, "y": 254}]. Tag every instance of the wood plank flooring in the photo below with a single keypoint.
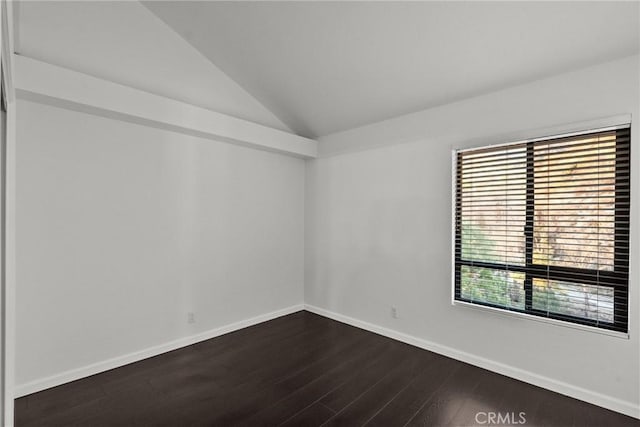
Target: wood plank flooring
[{"x": 302, "y": 370}]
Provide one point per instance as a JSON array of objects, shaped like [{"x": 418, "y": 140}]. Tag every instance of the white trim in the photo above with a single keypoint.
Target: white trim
[
  {"x": 612, "y": 403},
  {"x": 49, "y": 84},
  {"x": 10, "y": 264},
  {"x": 602, "y": 124},
  {"x": 8, "y": 47},
  {"x": 8, "y": 309},
  {"x": 15, "y": 21},
  {"x": 454, "y": 185},
  {"x": 497, "y": 310},
  {"x": 96, "y": 368}
]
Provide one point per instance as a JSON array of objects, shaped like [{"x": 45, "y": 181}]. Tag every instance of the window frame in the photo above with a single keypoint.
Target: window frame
[{"x": 620, "y": 327}]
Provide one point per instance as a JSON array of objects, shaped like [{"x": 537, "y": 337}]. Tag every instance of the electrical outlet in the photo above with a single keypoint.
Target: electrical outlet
[
  {"x": 191, "y": 317},
  {"x": 394, "y": 312}
]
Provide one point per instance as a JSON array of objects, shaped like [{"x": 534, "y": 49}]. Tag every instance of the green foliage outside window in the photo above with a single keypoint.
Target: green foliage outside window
[{"x": 501, "y": 287}]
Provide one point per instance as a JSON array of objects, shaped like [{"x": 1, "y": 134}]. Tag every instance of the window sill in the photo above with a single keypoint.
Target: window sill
[{"x": 616, "y": 334}]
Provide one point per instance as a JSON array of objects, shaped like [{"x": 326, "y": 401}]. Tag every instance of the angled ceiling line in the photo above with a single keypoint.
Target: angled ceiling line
[{"x": 291, "y": 126}]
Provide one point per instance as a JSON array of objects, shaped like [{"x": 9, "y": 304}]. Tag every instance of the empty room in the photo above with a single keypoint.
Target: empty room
[{"x": 320, "y": 213}]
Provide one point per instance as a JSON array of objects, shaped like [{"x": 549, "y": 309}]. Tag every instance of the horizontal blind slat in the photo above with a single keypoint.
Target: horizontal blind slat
[{"x": 570, "y": 196}]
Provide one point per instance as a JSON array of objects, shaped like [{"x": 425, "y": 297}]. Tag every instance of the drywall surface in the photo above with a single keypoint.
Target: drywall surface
[
  {"x": 124, "y": 229},
  {"x": 378, "y": 229},
  {"x": 61, "y": 87},
  {"x": 124, "y": 42}
]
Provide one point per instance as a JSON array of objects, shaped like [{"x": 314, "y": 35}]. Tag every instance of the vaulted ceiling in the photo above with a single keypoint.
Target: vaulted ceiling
[
  {"x": 323, "y": 67},
  {"x": 316, "y": 68},
  {"x": 125, "y": 43}
]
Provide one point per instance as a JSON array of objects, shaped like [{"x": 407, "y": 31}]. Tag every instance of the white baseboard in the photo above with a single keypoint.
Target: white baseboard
[
  {"x": 612, "y": 403},
  {"x": 95, "y": 368}
]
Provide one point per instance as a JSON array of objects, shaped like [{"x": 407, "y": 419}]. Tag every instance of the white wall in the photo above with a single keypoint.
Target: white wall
[
  {"x": 124, "y": 42},
  {"x": 378, "y": 230},
  {"x": 123, "y": 229}
]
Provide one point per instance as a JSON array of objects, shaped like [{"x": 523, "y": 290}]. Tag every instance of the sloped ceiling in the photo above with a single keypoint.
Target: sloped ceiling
[
  {"x": 323, "y": 67},
  {"x": 125, "y": 43}
]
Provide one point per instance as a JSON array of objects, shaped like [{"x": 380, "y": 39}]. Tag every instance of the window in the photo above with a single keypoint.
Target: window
[{"x": 542, "y": 227}]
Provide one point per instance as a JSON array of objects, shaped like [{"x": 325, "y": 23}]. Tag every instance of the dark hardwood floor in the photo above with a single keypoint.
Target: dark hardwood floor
[{"x": 303, "y": 370}]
